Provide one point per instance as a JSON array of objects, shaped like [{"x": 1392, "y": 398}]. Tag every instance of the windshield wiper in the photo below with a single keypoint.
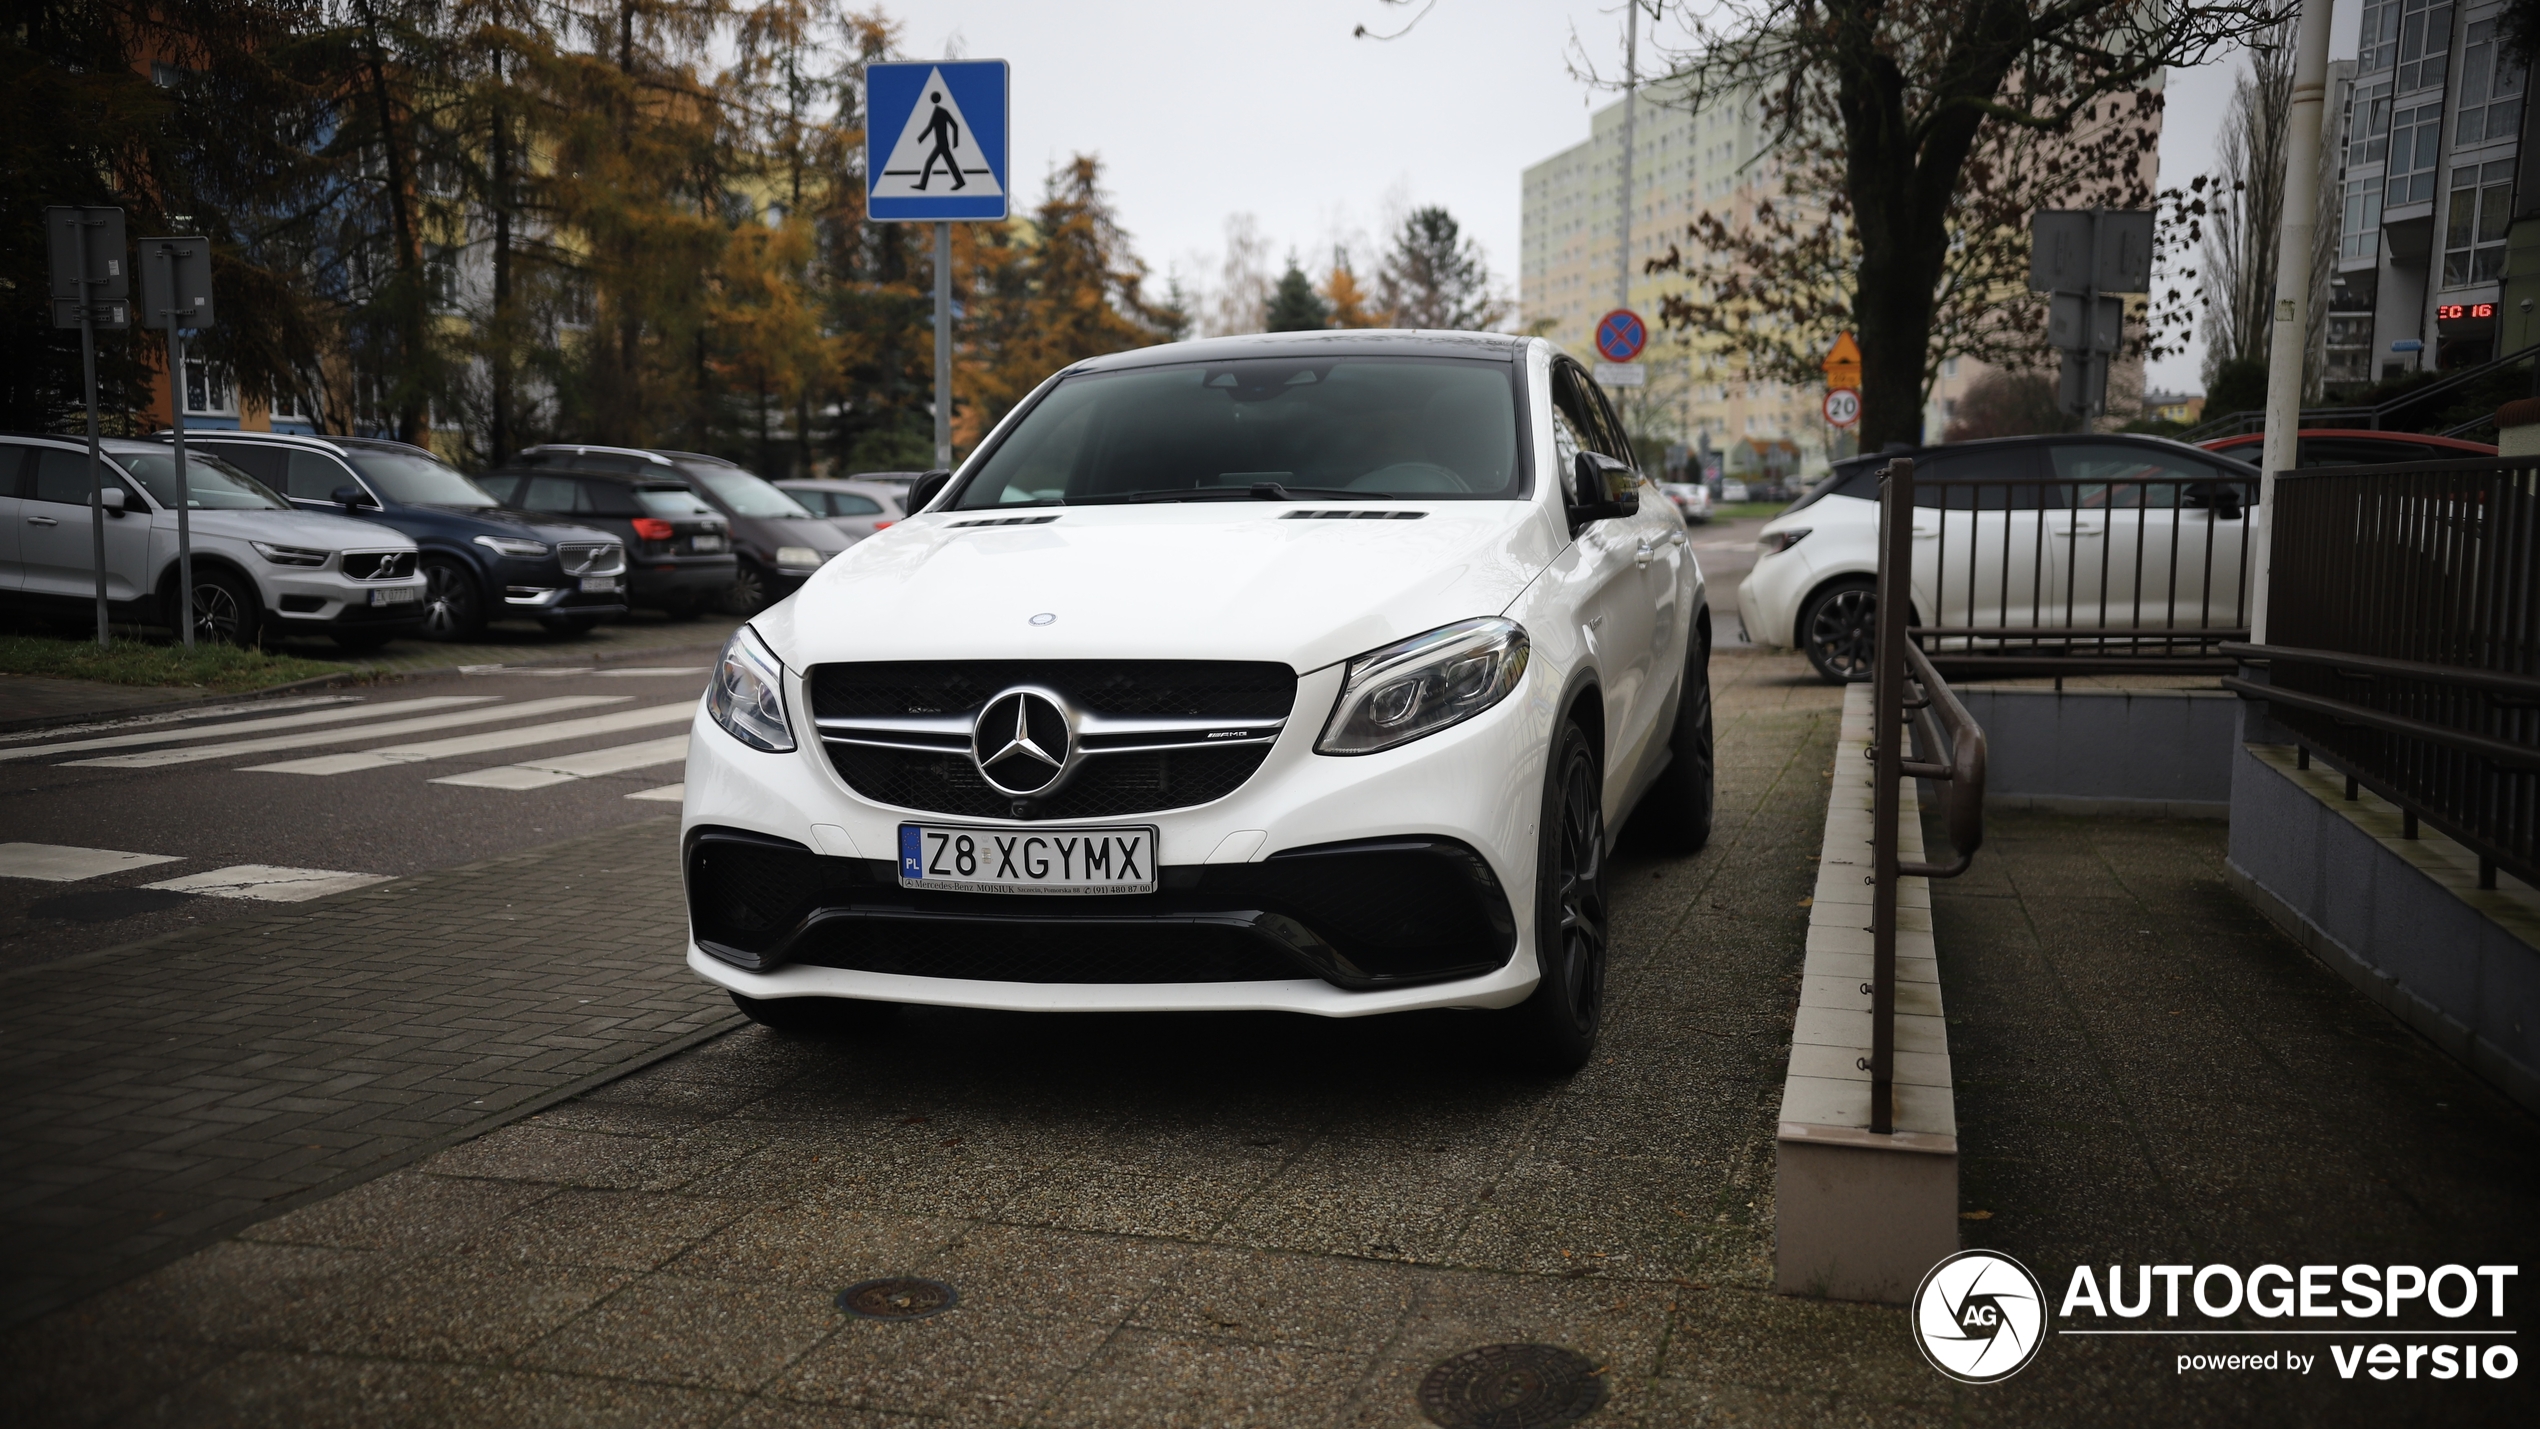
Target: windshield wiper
[{"x": 1258, "y": 491}]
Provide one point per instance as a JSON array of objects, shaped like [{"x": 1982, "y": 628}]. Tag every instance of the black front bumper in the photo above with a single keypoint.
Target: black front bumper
[{"x": 1365, "y": 915}]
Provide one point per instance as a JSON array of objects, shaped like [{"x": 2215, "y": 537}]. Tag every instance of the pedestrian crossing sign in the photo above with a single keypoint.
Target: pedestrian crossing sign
[{"x": 935, "y": 140}]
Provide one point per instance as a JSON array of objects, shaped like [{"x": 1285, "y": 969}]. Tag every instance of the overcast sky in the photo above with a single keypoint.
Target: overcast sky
[{"x": 1200, "y": 109}]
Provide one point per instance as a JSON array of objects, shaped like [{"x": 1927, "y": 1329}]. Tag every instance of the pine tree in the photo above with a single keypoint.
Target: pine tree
[
  {"x": 1294, "y": 306},
  {"x": 1435, "y": 277},
  {"x": 1347, "y": 301}
]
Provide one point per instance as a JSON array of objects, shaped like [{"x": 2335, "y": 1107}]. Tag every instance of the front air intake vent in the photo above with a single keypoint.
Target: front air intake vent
[
  {"x": 1009, "y": 521},
  {"x": 1361, "y": 514}
]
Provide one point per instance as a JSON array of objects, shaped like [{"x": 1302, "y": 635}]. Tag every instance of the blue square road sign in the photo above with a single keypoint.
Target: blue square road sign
[{"x": 936, "y": 140}]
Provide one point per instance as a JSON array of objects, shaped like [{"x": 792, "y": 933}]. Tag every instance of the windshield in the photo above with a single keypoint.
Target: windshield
[
  {"x": 413, "y": 479},
  {"x": 214, "y": 484},
  {"x": 672, "y": 501},
  {"x": 1415, "y": 428},
  {"x": 744, "y": 493}
]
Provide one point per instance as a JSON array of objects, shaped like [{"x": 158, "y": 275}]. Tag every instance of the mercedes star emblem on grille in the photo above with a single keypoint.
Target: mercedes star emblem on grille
[{"x": 1023, "y": 742}]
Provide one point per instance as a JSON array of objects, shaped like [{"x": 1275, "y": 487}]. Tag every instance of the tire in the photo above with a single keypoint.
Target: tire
[
  {"x": 1677, "y": 808},
  {"x": 1838, "y": 630},
  {"x": 569, "y": 626},
  {"x": 361, "y": 642},
  {"x": 816, "y": 1014},
  {"x": 753, "y": 590},
  {"x": 1554, "y": 1030},
  {"x": 226, "y": 611},
  {"x": 453, "y": 607}
]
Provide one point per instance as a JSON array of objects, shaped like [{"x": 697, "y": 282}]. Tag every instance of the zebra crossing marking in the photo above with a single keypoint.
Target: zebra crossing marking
[
  {"x": 171, "y": 736},
  {"x": 268, "y": 883},
  {"x": 69, "y": 863},
  {"x": 480, "y": 714},
  {"x": 387, "y": 755},
  {"x": 541, "y": 773}
]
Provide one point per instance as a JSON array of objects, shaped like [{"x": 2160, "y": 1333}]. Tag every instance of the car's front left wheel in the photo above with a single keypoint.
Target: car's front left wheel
[{"x": 1555, "y": 1028}]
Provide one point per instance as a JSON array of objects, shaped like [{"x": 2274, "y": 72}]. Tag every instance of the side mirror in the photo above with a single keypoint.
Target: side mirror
[
  {"x": 1601, "y": 489},
  {"x": 112, "y": 498},
  {"x": 928, "y": 487},
  {"x": 349, "y": 497}
]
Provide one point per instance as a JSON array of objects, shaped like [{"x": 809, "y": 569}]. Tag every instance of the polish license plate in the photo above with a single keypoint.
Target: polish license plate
[
  {"x": 599, "y": 583},
  {"x": 707, "y": 543},
  {"x": 968, "y": 860},
  {"x": 396, "y": 595}
]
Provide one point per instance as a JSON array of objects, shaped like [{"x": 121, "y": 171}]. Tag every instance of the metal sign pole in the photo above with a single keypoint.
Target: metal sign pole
[
  {"x": 184, "y": 492},
  {"x": 943, "y": 346},
  {"x": 1887, "y": 757},
  {"x": 96, "y": 466},
  {"x": 2093, "y": 395}
]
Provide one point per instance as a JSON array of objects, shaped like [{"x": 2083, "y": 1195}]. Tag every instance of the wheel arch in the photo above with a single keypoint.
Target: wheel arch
[{"x": 206, "y": 561}]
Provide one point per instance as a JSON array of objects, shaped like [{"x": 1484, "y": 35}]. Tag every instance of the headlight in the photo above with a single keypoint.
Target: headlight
[
  {"x": 1775, "y": 542},
  {"x": 797, "y": 556},
  {"x": 290, "y": 555},
  {"x": 1421, "y": 685},
  {"x": 747, "y": 697},
  {"x": 512, "y": 546}
]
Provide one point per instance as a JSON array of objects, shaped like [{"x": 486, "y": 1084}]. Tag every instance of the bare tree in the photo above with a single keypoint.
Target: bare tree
[
  {"x": 1908, "y": 88},
  {"x": 1243, "y": 280},
  {"x": 2246, "y": 210}
]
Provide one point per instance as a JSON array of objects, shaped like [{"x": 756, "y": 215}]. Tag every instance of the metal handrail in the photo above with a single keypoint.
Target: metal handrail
[
  {"x": 2238, "y": 422},
  {"x": 2340, "y": 661},
  {"x": 1935, "y": 717}
]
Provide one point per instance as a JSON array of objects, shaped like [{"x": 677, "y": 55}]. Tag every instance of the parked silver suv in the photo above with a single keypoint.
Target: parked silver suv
[{"x": 261, "y": 567}]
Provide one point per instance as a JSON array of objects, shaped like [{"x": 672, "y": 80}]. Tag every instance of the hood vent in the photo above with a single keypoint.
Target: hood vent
[
  {"x": 1359, "y": 514},
  {"x": 1006, "y": 521}
]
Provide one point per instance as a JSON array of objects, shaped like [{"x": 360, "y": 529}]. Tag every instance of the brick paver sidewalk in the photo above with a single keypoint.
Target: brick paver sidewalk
[{"x": 165, "y": 1093}]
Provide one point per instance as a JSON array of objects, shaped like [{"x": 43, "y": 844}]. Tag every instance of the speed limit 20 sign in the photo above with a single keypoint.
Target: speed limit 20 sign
[{"x": 1843, "y": 407}]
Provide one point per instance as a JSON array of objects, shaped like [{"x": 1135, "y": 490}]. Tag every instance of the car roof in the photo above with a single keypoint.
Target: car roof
[
  {"x": 308, "y": 441},
  {"x": 1346, "y": 342},
  {"x": 667, "y": 478},
  {"x": 2245, "y": 439},
  {"x": 2049, "y": 439}
]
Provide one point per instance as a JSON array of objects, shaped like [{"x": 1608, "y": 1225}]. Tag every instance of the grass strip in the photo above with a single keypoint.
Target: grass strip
[{"x": 221, "y": 669}]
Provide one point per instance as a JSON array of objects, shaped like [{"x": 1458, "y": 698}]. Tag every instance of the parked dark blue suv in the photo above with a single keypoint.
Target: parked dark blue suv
[{"x": 481, "y": 560}]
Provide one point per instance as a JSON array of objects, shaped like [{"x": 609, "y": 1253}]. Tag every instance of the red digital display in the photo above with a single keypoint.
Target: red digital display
[{"x": 2454, "y": 312}]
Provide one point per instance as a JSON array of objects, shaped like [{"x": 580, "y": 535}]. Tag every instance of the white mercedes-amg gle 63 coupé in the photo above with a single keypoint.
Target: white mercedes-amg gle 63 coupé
[{"x": 1305, "y": 672}]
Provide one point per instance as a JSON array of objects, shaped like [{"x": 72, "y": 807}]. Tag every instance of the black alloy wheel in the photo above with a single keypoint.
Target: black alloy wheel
[
  {"x": 452, "y": 609},
  {"x": 1558, "y": 1023},
  {"x": 1838, "y": 630},
  {"x": 753, "y": 590},
  {"x": 225, "y": 610}
]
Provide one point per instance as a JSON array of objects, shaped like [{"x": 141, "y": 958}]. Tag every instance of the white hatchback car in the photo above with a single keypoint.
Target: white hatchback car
[
  {"x": 262, "y": 567},
  {"x": 1297, "y": 672},
  {"x": 2084, "y": 542}
]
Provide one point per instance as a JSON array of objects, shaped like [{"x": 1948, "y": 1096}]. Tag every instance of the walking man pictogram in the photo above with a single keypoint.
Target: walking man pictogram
[{"x": 943, "y": 132}]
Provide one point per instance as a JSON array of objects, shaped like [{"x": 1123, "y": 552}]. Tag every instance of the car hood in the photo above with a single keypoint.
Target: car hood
[
  {"x": 314, "y": 529},
  {"x": 1214, "y": 581}
]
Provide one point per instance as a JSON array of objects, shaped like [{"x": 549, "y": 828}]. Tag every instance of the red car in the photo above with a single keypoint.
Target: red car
[{"x": 2335, "y": 446}]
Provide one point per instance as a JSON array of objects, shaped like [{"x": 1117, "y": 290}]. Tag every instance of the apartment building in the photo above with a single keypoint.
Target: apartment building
[
  {"x": 2433, "y": 131},
  {"x": 1685, "y": 161}
]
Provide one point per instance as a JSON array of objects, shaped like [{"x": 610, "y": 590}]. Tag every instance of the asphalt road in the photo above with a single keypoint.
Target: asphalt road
[
  {"x": 1726, "y": 550},
  {"x": 180, "y": 800}
]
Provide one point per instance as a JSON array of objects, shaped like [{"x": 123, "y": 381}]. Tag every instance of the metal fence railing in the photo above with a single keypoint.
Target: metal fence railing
[
  {"x": 2128, "y": 564},
  {"x": 1949, "y": 749},
  {"x": 2403, "y": 643}
]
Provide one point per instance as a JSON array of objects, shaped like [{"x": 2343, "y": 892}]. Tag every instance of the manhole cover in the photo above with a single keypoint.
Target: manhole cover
[
  {"x": 897, "y": 1297},
  {"x": 1512, "y": 1387}
]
